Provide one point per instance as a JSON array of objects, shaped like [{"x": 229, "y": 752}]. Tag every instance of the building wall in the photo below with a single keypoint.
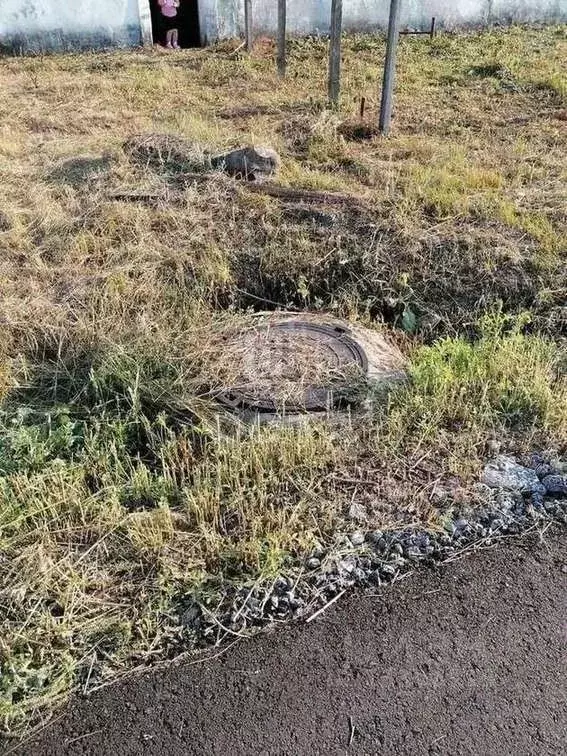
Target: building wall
[
  {"x": 225, "y": 18},
  {"x": 37, "y": 25}
]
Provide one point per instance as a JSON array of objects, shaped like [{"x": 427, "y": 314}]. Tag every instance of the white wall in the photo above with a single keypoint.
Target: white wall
[
  {"x": 224, "y": 18},
  {"x": 33, "y": 25}
]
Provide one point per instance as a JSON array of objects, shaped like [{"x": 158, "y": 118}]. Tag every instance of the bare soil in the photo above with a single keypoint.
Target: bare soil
[{"x": 468, "y": 659}]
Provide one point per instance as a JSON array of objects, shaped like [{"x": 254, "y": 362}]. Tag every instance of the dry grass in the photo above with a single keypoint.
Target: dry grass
[{"x": 122, "y": 490}]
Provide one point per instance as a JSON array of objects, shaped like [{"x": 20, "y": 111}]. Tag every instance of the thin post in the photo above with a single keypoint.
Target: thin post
[
  {"x": 282, "y": 20},
  {"x": 432, "y": 30},
  {"x": 248, "y": 24},
  {"x": 335, "y": 51},
  {"x": 390, "y": 67}
]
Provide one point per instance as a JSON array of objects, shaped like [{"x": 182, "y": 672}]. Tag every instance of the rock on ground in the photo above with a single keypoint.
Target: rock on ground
[
  {"x": 505, "y": 472},
  {"x": 250, "y": 163}
]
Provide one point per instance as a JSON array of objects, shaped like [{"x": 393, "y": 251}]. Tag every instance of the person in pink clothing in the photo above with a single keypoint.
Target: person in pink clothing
[{"x": 168, "y": 9}]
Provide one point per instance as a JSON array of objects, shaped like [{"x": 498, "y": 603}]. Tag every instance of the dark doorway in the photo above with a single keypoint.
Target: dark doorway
[{"x": 188, "y": 19}]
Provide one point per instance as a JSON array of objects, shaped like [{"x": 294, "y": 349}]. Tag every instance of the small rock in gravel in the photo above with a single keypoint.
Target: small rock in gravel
[
  {"x": 505, "y": 472},
  {"x": 461, "y": 524},
  {"x": 414, "y": 552},
  {"x": 282, "y": 585},
  {"x": 381, "y": 545},
  {"x": 374, "y": 577},
  {"x": 313, "y": 563},
  {"x": 375, "y": 536},
  {"x": 543, "y": 469},
  {"x": 191, "y": 617},
  {"x": 346, "y": 565},
  {"x": 388, "y": 570},
  {"x": 357, "y": 512},
  {"x": 357, "y": 538},
  {"x": 555, "y": 484}
]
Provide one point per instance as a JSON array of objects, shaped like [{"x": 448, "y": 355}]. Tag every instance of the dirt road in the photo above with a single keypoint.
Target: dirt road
[{"x": 470, "y": 659}]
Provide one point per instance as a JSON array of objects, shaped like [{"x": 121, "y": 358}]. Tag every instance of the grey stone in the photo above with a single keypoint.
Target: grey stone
[
  {"x": 357, "y": 538},
  {"x": 461, "y": 524},
  {"x": 282, "y": 585},
  {"x": 543, "y": 469},
  {"x": 192, "y": 616},
  {"x": 357, "y": 512},
  {"x": 375, "y": 537},
  {"x": 346, "y": 565},
  {"x": 388, "y": 570},
  {"x": 250, "y": 163},
  {"x": 313, "y": 563},
  {"x": 375, "y": 578},
  {"x": 381, "y": 545},
  {"x": 397, "y": 548},
  {"x": 555, "y": 484},
  {"x": 505, "y": 472},
  {"x": 414, "y": 552},
  {"x": 253, "y": 605}
]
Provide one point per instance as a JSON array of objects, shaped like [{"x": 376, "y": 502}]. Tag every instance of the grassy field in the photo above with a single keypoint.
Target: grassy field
[{"x": 122, "y": 489}]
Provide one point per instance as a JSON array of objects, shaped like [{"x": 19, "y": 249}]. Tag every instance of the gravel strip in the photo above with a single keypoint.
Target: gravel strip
[{"x": 518, "y": 499}]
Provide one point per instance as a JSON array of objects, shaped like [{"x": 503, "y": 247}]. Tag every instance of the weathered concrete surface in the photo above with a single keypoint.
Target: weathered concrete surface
[
  {"x": 224, "y": 18},
  {"x": 37, "y": 25}
]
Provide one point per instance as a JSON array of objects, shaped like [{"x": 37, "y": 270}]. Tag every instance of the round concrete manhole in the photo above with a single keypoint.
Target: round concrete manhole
[{"x": 293, "y": 367}]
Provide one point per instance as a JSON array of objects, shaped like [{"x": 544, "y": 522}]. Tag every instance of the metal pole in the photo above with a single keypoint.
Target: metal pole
[
  {"x": 390, "y": 67},
  {"x": 282, "y": 8},
  {"x": 248, "y": 24},
  {"x": 335, "y": 51}
]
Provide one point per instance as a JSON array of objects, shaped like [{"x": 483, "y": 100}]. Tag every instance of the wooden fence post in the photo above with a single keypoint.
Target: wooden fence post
[
  {"x": 282, "y": 13},
  {"x": 335, "y": 51}
]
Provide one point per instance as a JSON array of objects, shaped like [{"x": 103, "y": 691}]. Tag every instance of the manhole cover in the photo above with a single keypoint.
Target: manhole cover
[{"x": 293, "y": 367}]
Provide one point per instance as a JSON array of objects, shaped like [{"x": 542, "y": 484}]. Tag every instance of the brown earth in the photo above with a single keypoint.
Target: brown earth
[{"x": 468, "y": 659}]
